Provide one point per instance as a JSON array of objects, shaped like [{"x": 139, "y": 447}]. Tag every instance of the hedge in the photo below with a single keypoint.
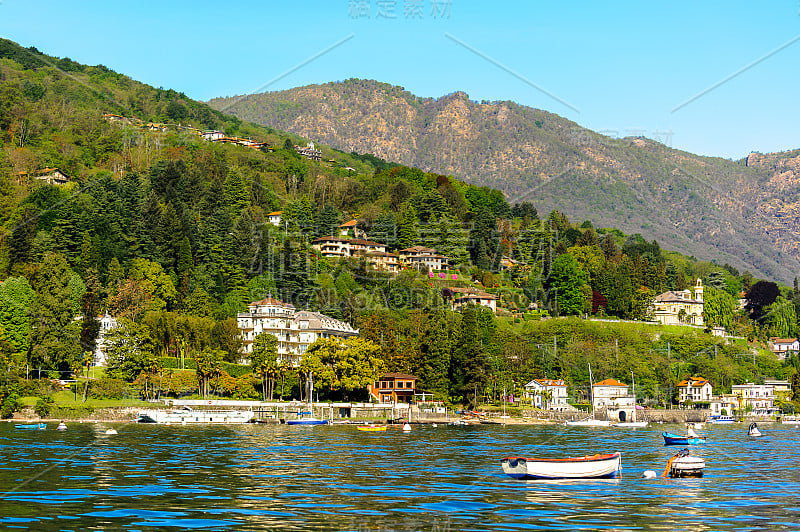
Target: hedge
[{"x": 234, "y": 370}]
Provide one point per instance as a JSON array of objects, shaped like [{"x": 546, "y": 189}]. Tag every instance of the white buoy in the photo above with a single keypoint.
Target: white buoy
[
  {"x": 434, "y": 425},
  {"x": 406, "y": 427},
  {"x": 111, "y": 432},
  {"x": 649, "y": 474}
]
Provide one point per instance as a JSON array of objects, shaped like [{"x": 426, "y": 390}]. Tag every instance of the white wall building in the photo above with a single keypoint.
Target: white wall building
[
  {"x": 754, "y": 396},
  {"x": 557, "y": 389},
  {"x": 106, "y": 324},
  {"x": 612, "y": 396},
  {"x": 295, "y": 330},
  {"x": 694, "y": 389}
]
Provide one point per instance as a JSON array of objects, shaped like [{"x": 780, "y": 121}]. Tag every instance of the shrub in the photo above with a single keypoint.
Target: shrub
[
  {"x": 10, "y": 405},
  {"x": 107, "y": 388},
  {"x": 44, "y": 406}
]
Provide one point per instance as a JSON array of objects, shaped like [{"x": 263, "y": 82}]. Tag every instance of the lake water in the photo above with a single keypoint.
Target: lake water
[{"x": 249, "y": 477}]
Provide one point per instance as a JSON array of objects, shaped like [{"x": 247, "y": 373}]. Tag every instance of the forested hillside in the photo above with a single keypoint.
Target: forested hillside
[
  {"x": 712, "y": 208},
  {"x": 170, "y": 234}
]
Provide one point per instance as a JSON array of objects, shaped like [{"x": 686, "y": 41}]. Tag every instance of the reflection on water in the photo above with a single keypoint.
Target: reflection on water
[{"x": 335, "y": 478}]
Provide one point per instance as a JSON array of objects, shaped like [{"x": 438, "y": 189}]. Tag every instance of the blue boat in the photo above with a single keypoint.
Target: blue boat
[
  {"x": 306, "y": 418},
  {"x": 675, "y": 439},
  {"x": 32, "y": 426}
]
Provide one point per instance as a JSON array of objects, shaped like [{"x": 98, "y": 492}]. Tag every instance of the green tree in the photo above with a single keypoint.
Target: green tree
[
  {"x": 781, "y": 318},
  {"x": 130, "y": 351},
  {"x": 565, "y": 282},
  {"x": 16, "y": 297},
  {"x": 209, "y": 364},
  {"x": 54, "y": 331},
  {"x": 718, "y": 308},
  {"x": 264, "y": 360},
  {"x": 407, "y": 226}
]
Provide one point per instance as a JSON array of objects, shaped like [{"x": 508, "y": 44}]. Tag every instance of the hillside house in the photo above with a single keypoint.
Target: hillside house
[
  {"x": 784, "y": 347},
  {"x": 213, "y": 135},
  {"x": 423, "y": 258},
  {"x": 309, "y": 151},
  {"x": 51, "y": 176},
  {"x": 275, "y": 218},
  {"x": 459, "y": 297},
  {"x": 680, "y": 307},
  {"x": 106, "y": 324}
]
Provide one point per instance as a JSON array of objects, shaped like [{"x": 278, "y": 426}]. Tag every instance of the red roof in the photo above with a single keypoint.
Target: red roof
[
  {"x": 696, "y": 381},
  {"x": 270, "y": 301},
  {"x": 610, "y": 382},
  {"x": 398, "y": 376},
  {"x": 351, "y": 223}
]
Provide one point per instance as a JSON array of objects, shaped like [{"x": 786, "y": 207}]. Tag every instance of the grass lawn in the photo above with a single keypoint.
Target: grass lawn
[{"x": 67, "y": 398}]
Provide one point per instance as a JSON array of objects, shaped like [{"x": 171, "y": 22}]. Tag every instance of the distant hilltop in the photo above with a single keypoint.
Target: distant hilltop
[{"x": 744, "y": 213}]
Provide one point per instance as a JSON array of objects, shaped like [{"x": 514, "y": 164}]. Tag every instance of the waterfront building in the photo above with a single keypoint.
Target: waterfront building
[
  {"x": 754, "y": 396},
  {"x": 538, "y": 390},
  {"x": 394, "y": 388},
  {"x": 295, "y": 330},
  {"x": 612, "y": 396},
  {"x": 694, "y": 389}
]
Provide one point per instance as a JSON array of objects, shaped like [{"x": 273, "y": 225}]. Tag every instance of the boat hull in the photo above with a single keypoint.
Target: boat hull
[
  {"x": 632, "y": 424},
  {"x": 588, "y": 423},
  {"x": 687, "y": 466},
  {"x": 721, "y": 420},
  {"x": 675, "y": 439},
  {"x": 597, "y": 466},
  {"x": 307, "y": 422},
  {"x": 215, "y": 417},
  {"x": 33, "y": 426},
  {"x": 371, "y": 429}
]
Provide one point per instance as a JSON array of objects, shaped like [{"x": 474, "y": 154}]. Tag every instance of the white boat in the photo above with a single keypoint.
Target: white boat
[
  {"x": 790, "y": 420},
  {"x": 590, "y": 421},
  {"x": 632, "y": 424},
  {"x": 597, "y": 466},
  {"x": 721, "y": 420},
  {"x": 187, "y": 415},
  {"x": 307, "y": 418}
]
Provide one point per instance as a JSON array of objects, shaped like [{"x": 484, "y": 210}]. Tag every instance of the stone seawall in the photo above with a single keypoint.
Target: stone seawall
[{"x": 655, "y": 416}]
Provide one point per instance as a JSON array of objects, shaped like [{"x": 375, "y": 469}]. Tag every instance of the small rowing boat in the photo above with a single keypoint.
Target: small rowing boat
[
  {"x": 371, "y": 428},
  {"x": 676, "y": 439},
  {"x": 595, "y": 466},
  {"x": 31, "y": 426}
]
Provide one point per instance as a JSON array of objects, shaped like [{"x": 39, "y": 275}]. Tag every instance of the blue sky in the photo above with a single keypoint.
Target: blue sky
[{"x": 616, "y": 67}]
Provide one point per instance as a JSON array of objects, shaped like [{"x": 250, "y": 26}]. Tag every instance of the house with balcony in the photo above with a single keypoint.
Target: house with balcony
[
  {"x": 754, "y": 396},
  {"x": 394, "y": 388},
  {"x": 423, "y": 258},
  {"x": 784, "y": 347},
  {"x": 548, "y": 394},
  {"x": 694, "y": 389},
  {"x": 295, "y": 330},
  {"x": 678, "y": 307}
]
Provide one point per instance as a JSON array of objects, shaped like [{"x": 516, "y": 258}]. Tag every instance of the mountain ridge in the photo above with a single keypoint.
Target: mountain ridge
[{"x": 722, "y": 210}]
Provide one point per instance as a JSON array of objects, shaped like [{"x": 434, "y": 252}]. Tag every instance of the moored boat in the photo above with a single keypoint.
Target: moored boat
[
  {"x": 187, "y": 415},
  {"x": 590, "y": 421},
  {"x": 371, "y": 428},
  {"x": 790, "y": 420},
  {"x": 31, "y": 426},
  {"x": 721, "y": 420},
  {"x": 677, "y": 439},
  {"x": 306, "y": 418},
  {"x": 595, "y": 466}
]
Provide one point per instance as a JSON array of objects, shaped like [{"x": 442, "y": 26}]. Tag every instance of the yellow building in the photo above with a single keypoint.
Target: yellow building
[{"x": 680, "y": 307}]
